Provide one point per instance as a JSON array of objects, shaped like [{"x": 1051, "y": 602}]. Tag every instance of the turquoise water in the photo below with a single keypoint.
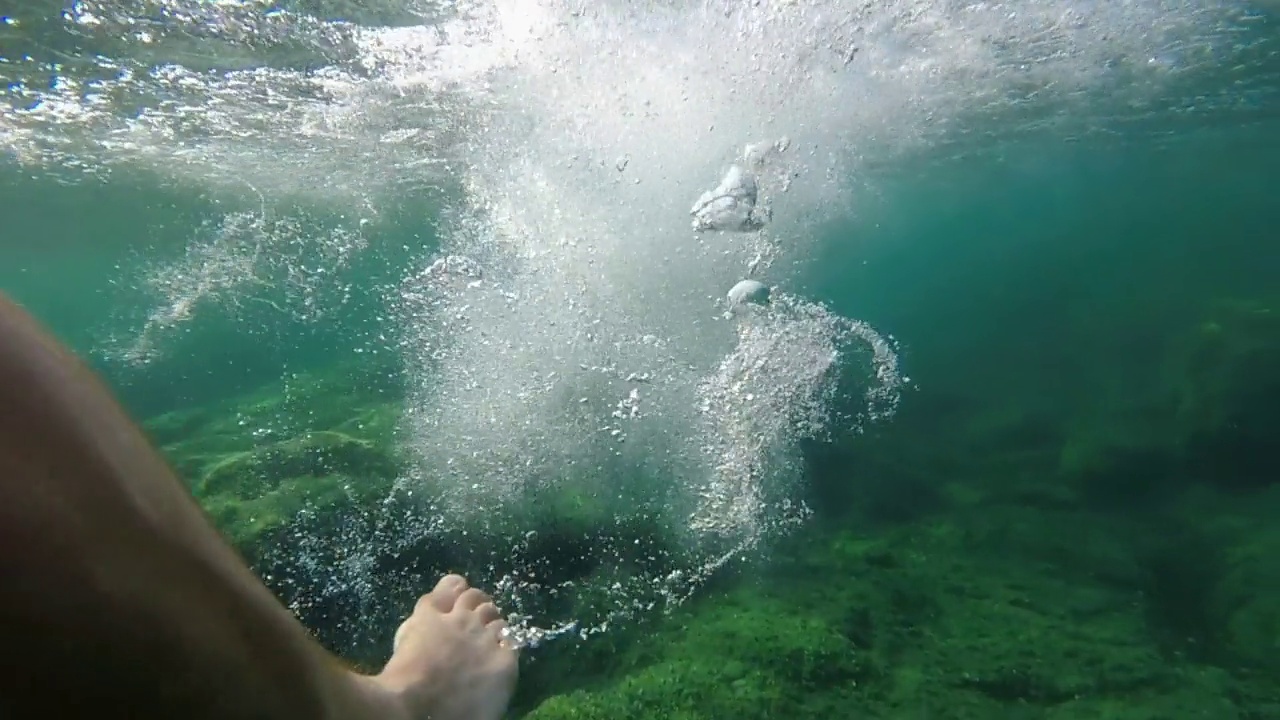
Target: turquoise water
[{"x": 1069, "y": 514}]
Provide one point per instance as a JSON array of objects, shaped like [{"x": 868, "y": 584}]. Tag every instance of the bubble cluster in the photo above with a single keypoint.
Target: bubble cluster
[
  {"x": 775, "y": 388},
  {"x": 292, "y": 264}
]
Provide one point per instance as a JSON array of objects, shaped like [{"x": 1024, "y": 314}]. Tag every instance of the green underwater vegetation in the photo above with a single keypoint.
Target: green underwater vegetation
[{"x": 1100, "y": 563}]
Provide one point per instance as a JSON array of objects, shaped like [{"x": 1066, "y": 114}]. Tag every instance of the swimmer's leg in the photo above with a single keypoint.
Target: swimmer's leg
[{"x": 116, "y": 592}]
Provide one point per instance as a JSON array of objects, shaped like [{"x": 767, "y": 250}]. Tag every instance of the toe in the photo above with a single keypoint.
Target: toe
[
  {"x": 400, "y": 633},
  {"x": 488, "y": 612},
  {"x": 472, "y": 598},
  {"x": 446, "y": 593},
  {"x": 499, "y": 630}
]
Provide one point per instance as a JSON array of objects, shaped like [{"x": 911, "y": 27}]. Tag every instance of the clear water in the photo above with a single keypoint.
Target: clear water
[{"x": 990, "y": 225}]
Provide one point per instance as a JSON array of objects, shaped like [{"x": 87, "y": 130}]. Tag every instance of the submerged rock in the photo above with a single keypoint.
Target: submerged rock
[
  {"x": 1243, "y": 607},
  {"x": 315, "y": 454},
  {"x": 998, "y": 614},
  {"x": 1227, "y": 389},
  {"x": 315, "y": 439}
]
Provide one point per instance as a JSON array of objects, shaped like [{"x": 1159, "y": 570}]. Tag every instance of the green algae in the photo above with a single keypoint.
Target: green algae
[{"x": 992, "y": 576}]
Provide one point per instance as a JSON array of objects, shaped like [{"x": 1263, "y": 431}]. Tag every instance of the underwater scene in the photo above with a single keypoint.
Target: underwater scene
[{"x": 820, "y": 359}]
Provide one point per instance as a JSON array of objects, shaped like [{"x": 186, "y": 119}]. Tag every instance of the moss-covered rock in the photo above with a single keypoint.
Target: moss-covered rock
[
  {"x": 742, "y": 656},
  {"x": 1228, "y": 388},
  {"x": 320, "y": 453},
  {"x": 349, "y": 397},
  {"x": 1250, "y": 602},
  {"x": 1121, "y": 456},
  {"x": 1208, "y": 413},
  {"x": 249, "y": 522},
  {"x": 999, "y": 614},
  {"x": 319, "y": 440},
  {"x": 985, "y": 590},
  {"x": 177, "y": 425},
  {"x": 1016, "y": 620},
  {"x": 252, "y": 493},
  {"x": 1244, "y": 600}
]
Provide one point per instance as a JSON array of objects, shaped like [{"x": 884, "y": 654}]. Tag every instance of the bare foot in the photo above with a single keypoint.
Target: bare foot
[{"x": 451, "y": 660}]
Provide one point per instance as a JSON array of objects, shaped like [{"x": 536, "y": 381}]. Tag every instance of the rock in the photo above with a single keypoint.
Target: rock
[
  {"x": 1243, "y": 604},
  {"x": 315, "y": 454},
  {"x": 744, "y": 658},
  {"x": 1228, "y": 389}
]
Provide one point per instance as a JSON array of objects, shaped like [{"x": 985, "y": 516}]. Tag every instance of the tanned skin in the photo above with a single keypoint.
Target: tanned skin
[{"x": 118, "y": 597}]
